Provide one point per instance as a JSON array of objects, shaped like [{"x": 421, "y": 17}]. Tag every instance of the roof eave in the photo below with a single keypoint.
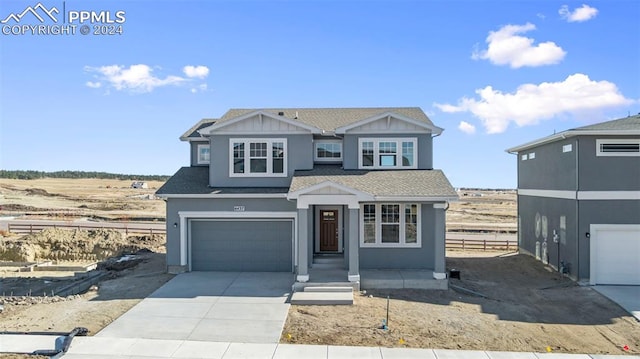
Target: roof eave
[
  {"x": 218, "y": 125},
  {"x": 570, "y": 133},
  {"x": 433, "y": 128}
]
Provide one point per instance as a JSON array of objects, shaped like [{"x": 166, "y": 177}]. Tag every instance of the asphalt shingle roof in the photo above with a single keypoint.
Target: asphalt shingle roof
[
  {"x": 627, "y": 123},
  {"x": 329, "y": 119},
  {"x": 193, "y": 131},
  {"x": 400, "y": 183},
  {"x": 195, "y": 180}
]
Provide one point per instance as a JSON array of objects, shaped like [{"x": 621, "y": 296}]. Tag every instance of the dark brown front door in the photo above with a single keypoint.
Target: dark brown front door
[{"x": 328, "y": 230}]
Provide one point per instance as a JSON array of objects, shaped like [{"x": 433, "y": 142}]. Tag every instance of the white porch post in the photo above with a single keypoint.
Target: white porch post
[
  {"x": 303, "y": 245},
  {"x": 439, "y": 271},
  {"x": 354, "y": 241}
]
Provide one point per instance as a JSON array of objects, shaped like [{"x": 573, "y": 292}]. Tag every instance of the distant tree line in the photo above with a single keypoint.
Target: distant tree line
[{"x": 27, "y": 175}]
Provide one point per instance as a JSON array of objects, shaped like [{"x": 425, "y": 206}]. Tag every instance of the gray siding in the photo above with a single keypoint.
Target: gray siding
[
  {"x": 551, "y": 169},
  {"x": 552, "y": 209},
  {"x": 350, "y": 149},
  {"x": 602, "y": 212},
  {"x": 606, "y": 173},
  {"x": 299, "y": 157},
  {"x": 174, "y": 205},
  {"x": 407, "y": 258},
  {"x": 194, "y": 153}
]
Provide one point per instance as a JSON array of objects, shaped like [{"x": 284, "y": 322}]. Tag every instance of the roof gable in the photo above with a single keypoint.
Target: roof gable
[
  {"x": 389, "y": 122},
  {"x": 259, "y": 122},
  {"x": 192, "y": 134},
  {"x": 329, "y": 188}
]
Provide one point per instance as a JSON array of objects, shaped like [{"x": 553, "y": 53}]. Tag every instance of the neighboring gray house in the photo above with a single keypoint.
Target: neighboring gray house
[
  {"x": 275, "y": 189},
  {"x": 579, "y": 201}
]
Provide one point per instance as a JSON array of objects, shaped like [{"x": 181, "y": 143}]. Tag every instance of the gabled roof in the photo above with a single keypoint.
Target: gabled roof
[
  {"x": 427, "y": 125},
  {"x": 220, "y": 124},
  {"x": 329, "y": 119},
  {"x": 627, "y": 126},
  {"x": 193, "y": 134},
  {"x": 382, "y": 185}
]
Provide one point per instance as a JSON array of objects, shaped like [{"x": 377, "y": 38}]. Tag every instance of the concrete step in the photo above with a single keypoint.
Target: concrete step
[
  {"x": 322, "y": 298},
  {"x": 337, "y": 265},
  {"x": 329, "y": 289},
  {"x": 328, "y": 259}
]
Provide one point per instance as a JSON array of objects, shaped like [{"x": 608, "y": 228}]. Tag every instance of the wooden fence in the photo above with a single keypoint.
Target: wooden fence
[
  {"x": 470, "y": 241},
  {"x": 33, "y": 228}
]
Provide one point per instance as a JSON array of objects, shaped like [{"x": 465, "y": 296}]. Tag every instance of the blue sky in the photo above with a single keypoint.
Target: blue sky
[{"x": 494, "y": 74}]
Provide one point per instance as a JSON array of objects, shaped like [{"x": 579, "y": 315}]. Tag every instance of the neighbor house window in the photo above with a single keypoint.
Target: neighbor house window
[
  {"x": 618, "y": 147},
  {"x": 390, "y": 225},
  {"x": 328, "y": 151},
  {"x": 258, "y": 157},
  {"x": 567, "y": 148},
  {"x": 532, "y": 155},
  {"x": 523, "y": 157},
  {"x": 203, "y": 154},
  {"x": 387, "y": 153}
]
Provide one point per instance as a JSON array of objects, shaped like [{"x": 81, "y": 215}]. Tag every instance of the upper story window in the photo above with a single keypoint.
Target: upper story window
[
  {"x": 204, "y": 154},
  {"x": 387, "y": 153},
  {"x": 327, "y": 150},
  {"x": 618, "y": 147},
  {"x": 258, "y": 157},
  {"x": 567, "y": 148}
]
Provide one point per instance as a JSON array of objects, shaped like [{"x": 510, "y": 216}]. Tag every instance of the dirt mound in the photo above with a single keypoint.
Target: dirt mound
[
  {"x": 75, "y": 245},
  {"x": 38, "y": 192}
]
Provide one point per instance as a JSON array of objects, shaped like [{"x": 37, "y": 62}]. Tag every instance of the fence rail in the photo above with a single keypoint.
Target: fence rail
[
  {"x": 34, "y": 228},
  {"x": 468, "y": 241}
]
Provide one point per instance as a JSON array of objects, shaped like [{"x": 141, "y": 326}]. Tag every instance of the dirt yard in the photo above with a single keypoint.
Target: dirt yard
[{"x": 518, "y": 305}]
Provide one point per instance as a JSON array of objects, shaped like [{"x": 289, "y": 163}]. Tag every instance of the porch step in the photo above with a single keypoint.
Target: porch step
[
  {"x": 338, "y": 265},
  {"x": 329, "y": 289},
  {"x": 322, "y": 298},
  {"x": 328, "y": 262}
]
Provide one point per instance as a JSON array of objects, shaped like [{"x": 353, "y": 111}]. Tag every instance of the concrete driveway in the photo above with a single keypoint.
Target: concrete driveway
[
  {"x": 627, "y": 296},
  {"x": 210, "y": 306}
]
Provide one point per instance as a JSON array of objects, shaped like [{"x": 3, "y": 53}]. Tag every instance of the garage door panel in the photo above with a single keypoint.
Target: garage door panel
[
  {"x": 241, "y": 245},
  {"x": 617, "y": 255}
]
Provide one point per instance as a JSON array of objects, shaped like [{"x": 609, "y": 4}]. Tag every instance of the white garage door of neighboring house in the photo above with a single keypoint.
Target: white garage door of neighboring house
[
  {"x": 241, "y": 245},
  {"x": 615, "y": 254}
]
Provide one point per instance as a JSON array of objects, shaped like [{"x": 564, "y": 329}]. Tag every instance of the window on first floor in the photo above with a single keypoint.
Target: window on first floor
[
  {"x": 387, "y": 153},
  {"x": 258, "y": 157},
  {"x": 204, "y": 154},
  {"x": 390, "y": 225}
]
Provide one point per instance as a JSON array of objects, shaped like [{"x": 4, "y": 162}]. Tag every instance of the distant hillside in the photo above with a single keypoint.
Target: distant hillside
[{"x": 78, "y": 174}]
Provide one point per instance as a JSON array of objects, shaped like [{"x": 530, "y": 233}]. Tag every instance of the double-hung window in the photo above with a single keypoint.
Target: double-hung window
[
  {"x": 258, "y": 157},
  {"x": 390, "y": 225},
  {"x": 387, "y": 153}
]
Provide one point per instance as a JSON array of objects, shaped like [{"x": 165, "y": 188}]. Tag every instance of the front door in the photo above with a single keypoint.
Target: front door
[{"x": 328, "y": 230}]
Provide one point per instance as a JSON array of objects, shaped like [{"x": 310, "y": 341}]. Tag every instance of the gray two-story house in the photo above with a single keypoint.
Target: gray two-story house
[
  {"x": 275, "y": 189},
  {"x": 579, "y": 201}
]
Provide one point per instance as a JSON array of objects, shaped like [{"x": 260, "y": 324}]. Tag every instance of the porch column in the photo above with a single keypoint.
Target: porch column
[
  {"x": 354, "y": 243},
  {"x": 439, "y": 271},
  {"x": 303, "y": 244}
]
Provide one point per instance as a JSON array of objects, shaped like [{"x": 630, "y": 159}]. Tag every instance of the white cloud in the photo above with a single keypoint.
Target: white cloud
[
  {"x": 136, "y": 78},
  {"x": 196, "y": 71},
  {"x": 199, "y": 88},
  {"x": 94, "y": 85},
  {"x": 506, "y": 47},
  {"x": 466, "y": 127},
  {"x": 583, "y": 13},
  {"x": 532, "y": 103}
]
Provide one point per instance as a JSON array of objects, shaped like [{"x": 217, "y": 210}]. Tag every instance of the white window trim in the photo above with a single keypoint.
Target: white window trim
[
  {"x": 200, "y": 161},
  {"x": 378, "y": 243},
  {"x": 567, "y": 148},
  {"x": 524, "y": 157},
  {"x": 599, "y": 142},
  {"x": 322, "y": 159},
  {"x": 532, "y": 155},
  {"x": 376, "y": 152},
  {"x": 247, "y": 158}
]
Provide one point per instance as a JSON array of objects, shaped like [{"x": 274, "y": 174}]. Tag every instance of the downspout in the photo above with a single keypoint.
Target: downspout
[{"x": 578, "y": 236}]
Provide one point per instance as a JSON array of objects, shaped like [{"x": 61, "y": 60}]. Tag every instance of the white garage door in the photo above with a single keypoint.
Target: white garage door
[{"x": 615, "y": 254}]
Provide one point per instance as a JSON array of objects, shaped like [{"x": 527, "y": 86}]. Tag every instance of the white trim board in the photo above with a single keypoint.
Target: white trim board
[{"x": 582, "y": 195}]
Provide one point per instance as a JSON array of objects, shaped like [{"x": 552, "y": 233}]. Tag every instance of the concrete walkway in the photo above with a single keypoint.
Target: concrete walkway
[
  {"x": 103, "y": 348},
  {"x": 210, "y": 306},
  {"x": 627, "y": 296}
]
